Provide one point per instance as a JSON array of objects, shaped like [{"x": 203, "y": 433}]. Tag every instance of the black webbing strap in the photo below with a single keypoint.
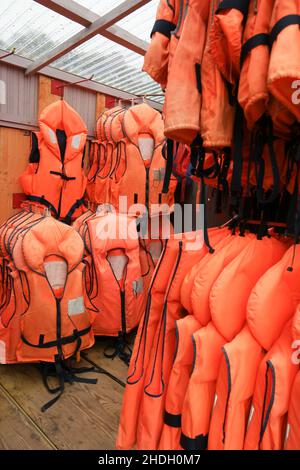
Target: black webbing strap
[
  {"x": 163, "y": 27},
  {"x": 63, "y": 175},
  {"x": 44, "y": 202},
  {"x": 261, "y": 39},
  {"x": 64, "y": 374},
  {"x": 197, "y": 443},
  {"x": 169, "y": 165},
  {"x": 174, "y": 421},
  {"x": 293, "y": 219},
  {"x": 119, "y": 349},
  {"x": 67, "y": 219},
  {"x": 241, "y": 5},
  {"x": 283, "y": 23},
  {"x": 58, "y": 342},
  {"x": 237, "y": 157}
]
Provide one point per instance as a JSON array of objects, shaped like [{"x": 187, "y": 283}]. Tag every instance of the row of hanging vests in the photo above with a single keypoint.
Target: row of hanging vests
[
  {"x": 54, "y": 177},
  {"x": 230, "y": 70},
  {"x": 128, "y": 162},
  {"x": 214, "y": 363}
]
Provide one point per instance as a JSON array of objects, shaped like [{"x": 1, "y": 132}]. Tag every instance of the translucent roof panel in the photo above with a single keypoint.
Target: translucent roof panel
[{"x": 35, "y": 30}]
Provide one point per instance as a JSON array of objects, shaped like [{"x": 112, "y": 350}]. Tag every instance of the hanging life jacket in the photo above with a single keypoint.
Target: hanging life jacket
[
  {"x": 54, "y": 176},
  {"x": 114, "y": 246},
  {"x": 140, "y": 153},
  {"x": 293, "y": 425}
]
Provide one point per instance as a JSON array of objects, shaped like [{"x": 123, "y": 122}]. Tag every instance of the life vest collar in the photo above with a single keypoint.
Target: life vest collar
[{"x": 142, "y": 119}]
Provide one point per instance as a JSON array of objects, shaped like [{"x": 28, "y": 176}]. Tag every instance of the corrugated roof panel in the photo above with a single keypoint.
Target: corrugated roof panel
[{"x": 35, "y": 30}]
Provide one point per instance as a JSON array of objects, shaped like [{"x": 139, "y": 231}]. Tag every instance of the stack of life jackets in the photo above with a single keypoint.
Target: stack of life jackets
[
  {"x": 54, "y": 177},
  {"x": 43, "y": 316},
  {"x": 228, "y": 379},
  {"x": 130, "y": 144},
  {"x": 230, "y": 85}
]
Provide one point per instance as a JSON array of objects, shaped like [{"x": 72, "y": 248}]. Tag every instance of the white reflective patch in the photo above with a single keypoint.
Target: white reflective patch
[
  {"x": 250, "y": 415},
  {"x": 146, "y": 146},
  {"x": 2, "y": 352},
  {"x": 159, "y": 174},
  {"x": 52, "y": 136},
  {"x": 287, "y": 432},
  {"x": 138, "y": 286},
  {"x": 118, "y": 263},
  {"x": 155, "y": 250},
  {"x": 56, "y": 272},
  {"x": 76, "y": 306},
  {"x": 76, "y": 141}
]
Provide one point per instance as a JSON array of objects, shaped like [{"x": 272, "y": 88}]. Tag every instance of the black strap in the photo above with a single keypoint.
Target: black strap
[
  {"x": 60, "y": 341},
  {"x": 63, "y": 175},
  {"x": 164, "y": 27},
  {"x": 237, "y": 157},
  {"x": 44, "y": 202},
  {"x": 241, "y": 5},
  {"x": 76, "y": 205},
  {"x": 283, "y": 23},
  {"x": 172, "y": 420},
  {"x": 198, "y": 77},
  {"x": 119, "y": 350},
  {"x": 169, "y": 165},
  {"x": 261, "y": 39},
  {"x": 198, "y": 443}
]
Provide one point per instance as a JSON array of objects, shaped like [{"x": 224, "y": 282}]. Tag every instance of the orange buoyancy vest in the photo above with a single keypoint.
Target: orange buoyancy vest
[
  {"x": 56, "y": 178},
  {"x": 54, "y": 283},
  {"x": 227, "y": 35},
  {"x": 235, "y": 386},
  {"x": 253, "y": 94},
  {"x": 218, "y": 110},
  {"x": 268, "y": 420},
  {"x": 141, "y": 154},
  {"x": 218, "y": 237},
  {"x": 229, "y": 294},
  {"x": 274, "y": 299},
  {"x": 114, "y": 247},
  {"x": 159, "y": 364},
  {"x": 210, "y": 270},
  {"x": 183, "y": 91},
  {"x": 293, "y": 425},
  {"x": 284, "y": 68},
  {"x": 178, "y": 382},
  {"x": 296, "y": 324},
  {"x": 157, "y": 56},
  {"x": 144, "y": 342},
  {"x": 199, "y": 398}
]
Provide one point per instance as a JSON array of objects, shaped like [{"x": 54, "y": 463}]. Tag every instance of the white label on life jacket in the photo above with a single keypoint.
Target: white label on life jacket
[
  {"x": 117, "y": 263},
  {"x": 155, "y": 249},
  {"x": 146, "y": 146},
  {"x": 2, "y": 352},
  {"x": 76, "y": 141},
  {"x": 76, "y": 306},
  {"x": 52, "y": 136},
  {"x": 138, "y": 286},
  {"x": 56, "y": 272},
  {"x": 159, "y": 174}
]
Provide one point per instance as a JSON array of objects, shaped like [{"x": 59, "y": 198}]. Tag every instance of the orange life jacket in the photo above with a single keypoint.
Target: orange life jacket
[
  {"x": 157, "y": 56},
  {"x": 114, "y": 245},
  {"x": 182, "y": 122},
  {"x": 179, "y": 379},
  {"x": 296, "y": 324},
  {"x": 268, "y": 419},
  {"x": 148, "y": 336},
  {"x": 199, "y": 398},
  {"x": 284, "y": 72},
  {"x": 218, "y": 110},
  {"x": 231, "y": 290},
  {"x": 53, "y": 270},
  {"x": 141, "y": 154},
  {"x": 239, "y": 362},
  {"x": 275, "y": 298},
  {"x": 293, "y": 426},
  {"x": 55, "y": 177}
]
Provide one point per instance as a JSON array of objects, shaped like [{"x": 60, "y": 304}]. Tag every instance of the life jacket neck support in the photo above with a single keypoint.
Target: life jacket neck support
[{"x": 55, "y": 177}]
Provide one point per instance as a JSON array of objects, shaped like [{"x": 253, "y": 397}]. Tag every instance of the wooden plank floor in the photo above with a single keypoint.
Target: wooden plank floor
[{"x": 85, "y": 417}]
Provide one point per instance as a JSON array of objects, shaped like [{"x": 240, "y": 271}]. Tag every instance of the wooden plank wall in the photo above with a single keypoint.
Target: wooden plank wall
[{"x": 15, "y": 148}]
